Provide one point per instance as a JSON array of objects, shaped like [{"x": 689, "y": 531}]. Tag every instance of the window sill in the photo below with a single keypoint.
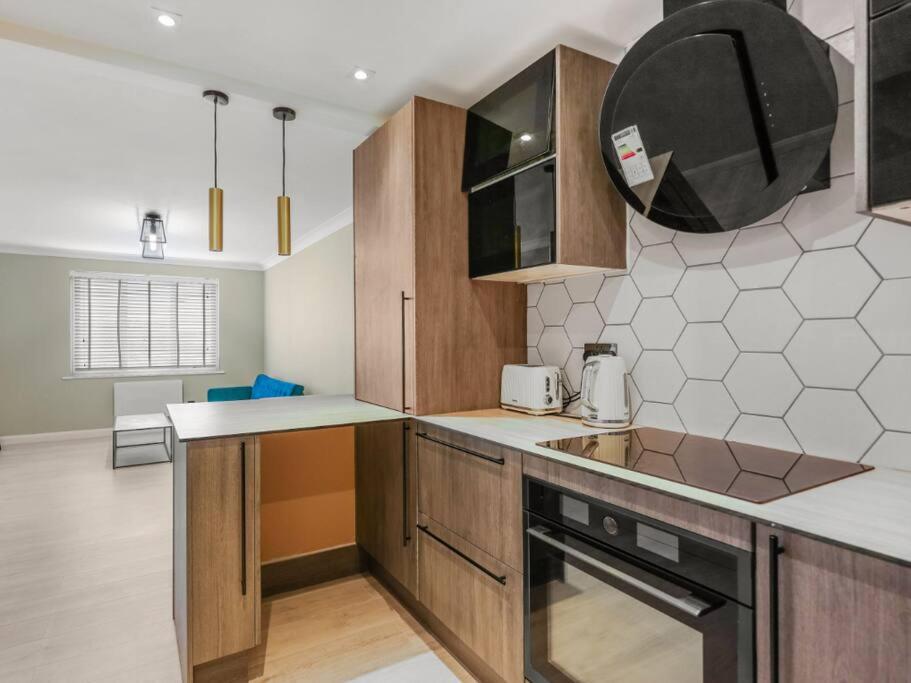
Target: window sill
[{"x": 144, "y": 372}]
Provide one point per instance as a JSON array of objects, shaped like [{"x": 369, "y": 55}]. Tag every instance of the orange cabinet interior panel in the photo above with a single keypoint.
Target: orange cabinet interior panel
[{"x": 307, "y": 491}]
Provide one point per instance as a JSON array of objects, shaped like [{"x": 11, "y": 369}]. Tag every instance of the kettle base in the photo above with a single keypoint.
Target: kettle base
[{"x": 606, "y": 424}]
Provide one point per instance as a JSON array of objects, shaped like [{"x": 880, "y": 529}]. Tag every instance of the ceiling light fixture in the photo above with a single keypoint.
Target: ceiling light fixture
[
  {"x": 152, "y": 235},
  {"x": 216, "y": 196},
  {"x": 284, "y": 114},
  {"x": 361, "y": 74},
  {"x": 526, "y": 137},
  {"x": 165, "y": 17}
]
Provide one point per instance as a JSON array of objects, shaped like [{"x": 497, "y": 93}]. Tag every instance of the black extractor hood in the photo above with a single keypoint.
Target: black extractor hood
[{"x": 719, "y": 115}]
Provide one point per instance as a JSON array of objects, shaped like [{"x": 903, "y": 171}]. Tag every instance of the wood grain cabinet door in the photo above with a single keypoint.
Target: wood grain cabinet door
[
  {"x": 476, "y": 597},
  {"x": 385, "y": 507},
  {"x": 843, "y": 617},
  {"x": 474, "y": 489},
  {"x": 384, "y": 264},
  {"x": 223, "y": 524}
]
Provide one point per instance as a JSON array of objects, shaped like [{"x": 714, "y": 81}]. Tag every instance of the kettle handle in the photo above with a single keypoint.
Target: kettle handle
[
  {"x": 629, "y": 407},
  {"x": 589, "y": 373}
]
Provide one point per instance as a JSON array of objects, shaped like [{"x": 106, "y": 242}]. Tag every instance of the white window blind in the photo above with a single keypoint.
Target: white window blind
[{"x": 143, "y": 324}]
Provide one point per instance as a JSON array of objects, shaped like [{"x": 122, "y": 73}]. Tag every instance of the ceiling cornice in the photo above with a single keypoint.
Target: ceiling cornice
[
  {"x": 133, "y": 258},
  {"x": 341, "y": 220}
]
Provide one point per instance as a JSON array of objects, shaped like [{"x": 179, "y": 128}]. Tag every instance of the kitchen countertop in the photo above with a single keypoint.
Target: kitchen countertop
[
  {"x": 193, "y": 421},
  {"x": 868, "y": 512}
]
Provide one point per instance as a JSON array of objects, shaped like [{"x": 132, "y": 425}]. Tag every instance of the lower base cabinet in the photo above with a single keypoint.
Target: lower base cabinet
[
  {"x": 476, "y": 597},
  {"x": 217, "y": 597},
  {"x": 386, "y": 499},
  {"x": 842, "y": 617}
]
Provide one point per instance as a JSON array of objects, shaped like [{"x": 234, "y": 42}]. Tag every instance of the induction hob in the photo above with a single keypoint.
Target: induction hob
[{"x": 752, "y": 473}]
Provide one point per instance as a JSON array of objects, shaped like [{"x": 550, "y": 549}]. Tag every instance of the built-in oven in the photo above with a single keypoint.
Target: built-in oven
[{"x": 613, "y": 596}]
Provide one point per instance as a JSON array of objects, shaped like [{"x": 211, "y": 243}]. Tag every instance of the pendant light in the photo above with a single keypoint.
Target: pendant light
[
  {"x": 152, "y": 236},
  {"x": 284, "y": 114},
  {"x": 216, "y": 197}
]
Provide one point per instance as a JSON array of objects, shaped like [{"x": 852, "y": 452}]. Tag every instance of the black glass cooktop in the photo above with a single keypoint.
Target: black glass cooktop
[{"x": 753, "y": 473}]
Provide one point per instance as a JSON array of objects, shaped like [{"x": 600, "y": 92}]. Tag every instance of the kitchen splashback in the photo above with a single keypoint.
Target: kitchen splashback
[{"x": 794, "y": 333}]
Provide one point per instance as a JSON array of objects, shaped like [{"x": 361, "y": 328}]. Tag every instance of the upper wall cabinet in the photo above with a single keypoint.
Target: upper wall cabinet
[
  {"x": 540, "y": 203},
  {"x": 883, "y": 108},
  {"x": 427, "y": 338}
]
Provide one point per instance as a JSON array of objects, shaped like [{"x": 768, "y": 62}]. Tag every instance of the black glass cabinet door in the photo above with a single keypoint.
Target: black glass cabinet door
[
  {"x": 512, "y": 125},
  {"x": 512, "y": 223}
]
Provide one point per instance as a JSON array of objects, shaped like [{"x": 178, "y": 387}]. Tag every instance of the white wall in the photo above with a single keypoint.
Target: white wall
[{"x": 309, "y": 316}]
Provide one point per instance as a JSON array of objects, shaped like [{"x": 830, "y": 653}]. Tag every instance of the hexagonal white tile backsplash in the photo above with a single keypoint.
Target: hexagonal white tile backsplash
[{"x": 794, "y": 333}]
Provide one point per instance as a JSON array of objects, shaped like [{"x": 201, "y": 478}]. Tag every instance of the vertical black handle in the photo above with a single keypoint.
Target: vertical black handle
[
  {"x": 406, "y": 531},
  {"x": 243, "y": 517},
  {"x": 774, "y": 551},
  {"x": 405, "y": 406}
]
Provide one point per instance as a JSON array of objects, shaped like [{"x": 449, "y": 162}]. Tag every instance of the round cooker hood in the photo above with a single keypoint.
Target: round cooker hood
[{"x": 719, "y": 116}]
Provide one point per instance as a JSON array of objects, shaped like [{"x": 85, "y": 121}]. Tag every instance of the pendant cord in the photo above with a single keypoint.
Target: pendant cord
[
  {"x": 215, "y": 137},
  {"x": 284, "y": 119}
]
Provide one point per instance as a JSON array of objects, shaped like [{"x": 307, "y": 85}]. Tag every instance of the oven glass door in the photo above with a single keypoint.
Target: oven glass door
[{"x": 591, "y": 615}]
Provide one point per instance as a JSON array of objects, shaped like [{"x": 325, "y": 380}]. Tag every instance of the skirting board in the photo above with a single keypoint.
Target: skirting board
[
  {"x": 294, "y": 573},
  {"x": 79, "y": 434}
]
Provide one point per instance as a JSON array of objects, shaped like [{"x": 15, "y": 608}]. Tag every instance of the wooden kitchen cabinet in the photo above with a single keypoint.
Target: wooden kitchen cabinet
[
  {"x": 427, "y": 338},
  {"x": 474, "y": 489},
  {"x": 586, "y": 216},
  {"x": 386, "y": 500},
  {"x": 217, "y": 570},
  {"x": 473, "y": 596},
  {"x": 842, "y": 616}
]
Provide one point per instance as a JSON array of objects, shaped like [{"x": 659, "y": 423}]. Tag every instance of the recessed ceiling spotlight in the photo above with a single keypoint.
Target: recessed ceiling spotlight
[
  {"x": 526, "y": 137},
  {"x": 166, "y": 18},
  {"x": 361, "y": 74}
]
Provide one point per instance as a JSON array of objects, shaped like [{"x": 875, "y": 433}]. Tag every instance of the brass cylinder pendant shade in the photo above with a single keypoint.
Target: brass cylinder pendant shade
[
  {"x": 216, "y": 227},
  {"x": 284, "y": 225},
  {"x": 216, "y": 196},
  {"x": 283, "y": 203}
]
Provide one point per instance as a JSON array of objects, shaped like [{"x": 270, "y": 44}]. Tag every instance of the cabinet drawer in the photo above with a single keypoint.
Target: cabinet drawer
[
  {"x": 473, "y": 595},
  {"x": 474, "y": 489}
]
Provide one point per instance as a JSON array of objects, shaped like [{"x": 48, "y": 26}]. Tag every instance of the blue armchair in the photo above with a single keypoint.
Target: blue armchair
[{"x": 263, "y": 387}]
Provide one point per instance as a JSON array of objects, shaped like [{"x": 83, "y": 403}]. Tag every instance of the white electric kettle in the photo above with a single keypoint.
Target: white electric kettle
[{"x": 605, "y": 390}]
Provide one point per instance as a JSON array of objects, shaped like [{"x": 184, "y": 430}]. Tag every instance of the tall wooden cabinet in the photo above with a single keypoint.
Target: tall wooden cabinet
[
  {"x": 841, "y": 616},
  {"x": 427, "y": 338},
  {"x": 386, "y": 507}
]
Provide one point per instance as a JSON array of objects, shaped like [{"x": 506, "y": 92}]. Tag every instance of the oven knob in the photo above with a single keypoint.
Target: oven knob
[{"x": 610, "y": 526}]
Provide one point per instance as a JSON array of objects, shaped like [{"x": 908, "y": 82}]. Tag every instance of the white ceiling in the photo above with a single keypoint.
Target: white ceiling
[{"x": 102, "y": 116}]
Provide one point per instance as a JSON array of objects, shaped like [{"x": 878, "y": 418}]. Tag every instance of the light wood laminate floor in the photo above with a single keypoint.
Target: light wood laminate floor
[{"x": 85, "y": 587}]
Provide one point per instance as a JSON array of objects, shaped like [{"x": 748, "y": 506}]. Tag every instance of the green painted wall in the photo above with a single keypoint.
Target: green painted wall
[{"x": 35, "y": 338}]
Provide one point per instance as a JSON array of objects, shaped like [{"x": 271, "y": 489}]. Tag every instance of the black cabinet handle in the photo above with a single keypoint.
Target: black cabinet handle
[
  {"x": 774, "y": 551},
  {"x": 406, "y": 531},
  {"x": 456, "y": 551},
  {"x": 405, "y": 407},
  {"x": 243, "y": 517},
  {"x": 467, "y": 451}
]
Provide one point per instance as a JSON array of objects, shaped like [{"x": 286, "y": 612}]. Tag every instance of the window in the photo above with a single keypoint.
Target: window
[{"x": 143, "y": 325}]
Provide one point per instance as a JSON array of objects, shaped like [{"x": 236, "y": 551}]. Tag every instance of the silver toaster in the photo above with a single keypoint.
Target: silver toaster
[{"x": 533, "y": 389}]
